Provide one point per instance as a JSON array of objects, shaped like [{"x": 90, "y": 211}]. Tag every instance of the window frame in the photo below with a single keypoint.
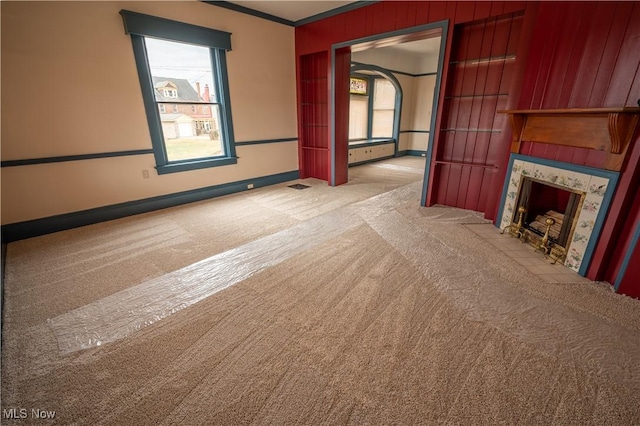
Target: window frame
[
  {"x": 382, "y": 74},
  {"x": 139, "y": 26}
]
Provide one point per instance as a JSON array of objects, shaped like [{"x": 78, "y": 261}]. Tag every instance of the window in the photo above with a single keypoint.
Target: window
[
  {"x": 358, "y": 86},
  {"x": 372, "y": 108},
  {"x": 358, "y": 117},
  {"x": 170, "y": 93},
  {"x": 384, "y": 107},
  {"x": 174, "y": 61}
]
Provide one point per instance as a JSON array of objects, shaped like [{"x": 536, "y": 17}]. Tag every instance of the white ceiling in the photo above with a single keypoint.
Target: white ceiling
[
  {"x": 413, "y": 57},
  {"x": 429, "y": 46},
  {"x": 292, "y": 10}
]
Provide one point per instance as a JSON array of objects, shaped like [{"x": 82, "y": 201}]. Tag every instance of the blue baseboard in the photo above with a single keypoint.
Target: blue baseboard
[
  {"x": 33, "y": 228},
  {"x": 412, "y": 152}
]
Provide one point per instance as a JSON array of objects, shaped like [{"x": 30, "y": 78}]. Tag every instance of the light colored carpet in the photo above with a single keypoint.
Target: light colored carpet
[{"x": 352, "y": 305}]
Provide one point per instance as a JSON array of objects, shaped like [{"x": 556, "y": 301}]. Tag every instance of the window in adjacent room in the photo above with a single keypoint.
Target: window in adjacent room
[
  {"x": 384, "y": 107},
  {"x": 372, "y": 108},
  {"x": 183, "y": 76}
]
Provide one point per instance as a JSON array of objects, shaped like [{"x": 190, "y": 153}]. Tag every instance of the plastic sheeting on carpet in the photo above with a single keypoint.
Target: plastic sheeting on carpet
[{"x": 123, "y": 313}]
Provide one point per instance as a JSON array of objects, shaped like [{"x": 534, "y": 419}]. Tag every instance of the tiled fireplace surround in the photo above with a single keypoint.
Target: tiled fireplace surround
[
  {"x": 597, "y": 185},
  {"x": 608, "y": 130}
]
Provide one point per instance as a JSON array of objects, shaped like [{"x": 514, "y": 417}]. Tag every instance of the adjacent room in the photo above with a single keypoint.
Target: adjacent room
[{"x": 332, "y": 212}]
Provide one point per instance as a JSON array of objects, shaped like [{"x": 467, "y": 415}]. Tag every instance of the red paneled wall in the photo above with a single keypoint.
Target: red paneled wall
[
  {"x": 583, "y": 55},
  {"x": 587, "y": 55},
  {"x": 629, "y": 284},
  {"x": 341, "y": 130},
  {"x": 317, "y": 38},
  {"x": 314, "y": 115},
  {"x": 568, "y": 55},
  {"x": 471, "y": 141}
]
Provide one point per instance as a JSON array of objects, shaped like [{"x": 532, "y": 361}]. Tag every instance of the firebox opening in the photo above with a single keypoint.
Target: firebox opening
[{"x": 543, "y": 201}]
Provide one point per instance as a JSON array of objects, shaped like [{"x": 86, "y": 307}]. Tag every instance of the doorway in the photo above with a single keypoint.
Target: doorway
[{"x": 399, "y": 58}]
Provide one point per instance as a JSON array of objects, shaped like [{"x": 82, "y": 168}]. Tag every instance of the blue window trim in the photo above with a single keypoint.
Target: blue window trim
[
  {"x": 138, "y": 25},
  {"x": 153, "y": 26}
]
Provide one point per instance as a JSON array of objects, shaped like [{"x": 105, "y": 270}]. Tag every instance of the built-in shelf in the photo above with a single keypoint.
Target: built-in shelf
[
  {"x": 602, "y": 129},
  {"x": 484, "y": 60}
]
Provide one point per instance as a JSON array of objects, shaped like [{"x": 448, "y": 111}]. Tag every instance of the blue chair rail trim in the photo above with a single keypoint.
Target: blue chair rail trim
[{"x": 64, "y": 158}]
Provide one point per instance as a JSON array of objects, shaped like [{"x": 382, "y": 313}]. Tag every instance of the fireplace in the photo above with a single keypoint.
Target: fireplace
[
  {"x": 575, "y": 197},
  {"x": 545, "y": 201},
  {"x": 565, "y": 202},
  {"x": 548, "y": 209}
]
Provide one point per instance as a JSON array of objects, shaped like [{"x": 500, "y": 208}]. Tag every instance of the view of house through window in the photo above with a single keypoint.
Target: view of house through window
[{"x": 185, "y": 93}]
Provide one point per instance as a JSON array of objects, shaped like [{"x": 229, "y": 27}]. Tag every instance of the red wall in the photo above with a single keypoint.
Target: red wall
[
  {"x": 381, "y": 17},
  {"x": 583, "y": 55},
  {"x": 388, "y": 16},
  {"x": 587, "y": 55},
  {"x": 469, "y": 161},
  {"x": 630, "y": 283},
  {"x": 313, "y": 112},
  {"x": 570, "y": 54}
]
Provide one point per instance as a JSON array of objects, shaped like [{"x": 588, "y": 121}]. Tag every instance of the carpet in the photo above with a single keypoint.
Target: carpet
[{"x": 356, "y": 306}]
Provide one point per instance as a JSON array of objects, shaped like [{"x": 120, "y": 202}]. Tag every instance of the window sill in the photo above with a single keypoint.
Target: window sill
[
  {"x": 195, "y": 165},
  {"x": 370, "y": 142}
]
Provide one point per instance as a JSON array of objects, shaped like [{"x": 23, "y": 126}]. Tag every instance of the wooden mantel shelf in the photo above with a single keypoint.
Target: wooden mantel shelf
[{"x": 603, "y": 129}]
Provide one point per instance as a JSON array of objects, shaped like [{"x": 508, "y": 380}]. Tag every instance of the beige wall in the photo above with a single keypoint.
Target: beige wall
[
  {"x": 421, "y": 58},
  {"x": 406, "y": 118},
  {"x": 417, "y": 105},
  {"x": 423, "y": 88},
  {"x": 422, "y": 109},
  {"x": 70, "y": 86}
]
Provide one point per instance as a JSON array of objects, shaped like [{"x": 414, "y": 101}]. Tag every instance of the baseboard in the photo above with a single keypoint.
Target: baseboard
[
  {"x": 415, "y": 153},
  {"x": 48, "y": 225}
]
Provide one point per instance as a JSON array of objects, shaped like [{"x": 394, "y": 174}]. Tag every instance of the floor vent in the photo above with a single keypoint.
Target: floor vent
[{"x": 299, "y": 186}]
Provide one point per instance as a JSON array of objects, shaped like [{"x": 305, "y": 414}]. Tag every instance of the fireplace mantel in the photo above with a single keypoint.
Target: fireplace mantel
[{"x": 603, "y": 129}]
